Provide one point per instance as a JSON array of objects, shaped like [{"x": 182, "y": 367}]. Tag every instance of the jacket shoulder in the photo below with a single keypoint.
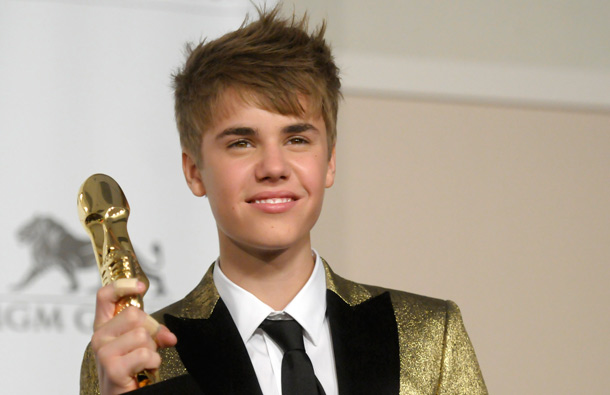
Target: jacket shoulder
[
  {"x": 403, "y": 299},
  {"x": 354, "y": 293},
  {"x": 436, "y": 355}
]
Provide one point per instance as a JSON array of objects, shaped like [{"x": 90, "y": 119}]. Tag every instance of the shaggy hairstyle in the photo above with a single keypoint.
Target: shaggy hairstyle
[{"x": 272, "y": 63}]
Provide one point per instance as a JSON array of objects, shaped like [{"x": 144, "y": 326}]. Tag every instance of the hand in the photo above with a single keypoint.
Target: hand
[{"x": 127, "y": 343}]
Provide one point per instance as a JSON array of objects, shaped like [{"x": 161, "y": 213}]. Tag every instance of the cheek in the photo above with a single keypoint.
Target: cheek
[
  {"x": 227, "y": 185},
  {"x": 314, "y": 173}
]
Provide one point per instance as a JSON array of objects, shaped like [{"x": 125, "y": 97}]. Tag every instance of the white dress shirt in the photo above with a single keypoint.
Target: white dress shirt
[{"x": 308, "y": 308}]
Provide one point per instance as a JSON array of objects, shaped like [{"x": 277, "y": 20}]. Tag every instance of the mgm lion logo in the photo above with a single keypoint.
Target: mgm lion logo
[{"x": 52, "y": 246}]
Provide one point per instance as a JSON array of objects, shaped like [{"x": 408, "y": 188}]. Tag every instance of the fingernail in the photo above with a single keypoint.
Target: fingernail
[{"x": 141, "y": 286}]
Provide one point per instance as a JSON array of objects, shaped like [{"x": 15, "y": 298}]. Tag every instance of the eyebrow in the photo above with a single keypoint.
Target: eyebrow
[
  {"x": 244, "y": 131},
  {"x": 238, "y": 131},
  {"x": 299, "y": 128}
]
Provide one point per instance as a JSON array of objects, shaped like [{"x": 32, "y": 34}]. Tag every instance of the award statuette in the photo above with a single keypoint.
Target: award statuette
[{"x": 103, "y": 210}]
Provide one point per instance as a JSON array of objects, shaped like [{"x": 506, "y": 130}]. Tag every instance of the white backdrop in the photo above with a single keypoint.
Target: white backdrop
[{"x": 85, "y": 88}]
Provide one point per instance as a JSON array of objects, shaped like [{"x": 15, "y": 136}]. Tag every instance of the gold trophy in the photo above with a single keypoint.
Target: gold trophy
[{"x": 103, "y": 210}]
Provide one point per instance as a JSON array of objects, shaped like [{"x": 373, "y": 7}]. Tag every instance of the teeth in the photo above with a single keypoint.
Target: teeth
[{"x": 273, "y": 201}]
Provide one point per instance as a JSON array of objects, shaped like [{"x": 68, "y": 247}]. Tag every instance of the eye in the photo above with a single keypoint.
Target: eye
[
  {"x": 297, "y": 140},
  {"x": 240, "y": 144}
]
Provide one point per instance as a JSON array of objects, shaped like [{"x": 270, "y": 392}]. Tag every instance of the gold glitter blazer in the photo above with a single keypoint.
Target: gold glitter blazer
[{"x": 384, "y": 341}]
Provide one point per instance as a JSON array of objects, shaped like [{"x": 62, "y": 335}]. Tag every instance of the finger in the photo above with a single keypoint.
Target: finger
[
  {"x": 165, "y": 338},
  {"x": 151, "y": 325},
  {"x": 159, "y": 333},
  {"x": 129, "y": 319},
  {"x": 125, "y": 286},
  {"x": 121, "y": 370},
  {"x": 104, "y": 306},
  {"x": 126, "y": 343},
  {"x": 109, "y": 295}
]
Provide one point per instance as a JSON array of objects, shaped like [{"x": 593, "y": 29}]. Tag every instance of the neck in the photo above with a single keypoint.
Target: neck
[{"x": 273, "y": 276}]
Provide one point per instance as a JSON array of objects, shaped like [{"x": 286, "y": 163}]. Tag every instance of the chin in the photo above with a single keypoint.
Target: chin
[
  {"x": 272, "y": 244},
  {"x": 276, "y": 241}
]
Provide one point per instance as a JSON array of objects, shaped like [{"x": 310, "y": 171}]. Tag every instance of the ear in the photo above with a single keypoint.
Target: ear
[
  {"x": 330, "y": 171},
  {"x": 192, "y": 175}
]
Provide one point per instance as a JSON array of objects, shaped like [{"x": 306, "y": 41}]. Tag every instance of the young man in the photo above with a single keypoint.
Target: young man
[{"x": 256, "y": 110}]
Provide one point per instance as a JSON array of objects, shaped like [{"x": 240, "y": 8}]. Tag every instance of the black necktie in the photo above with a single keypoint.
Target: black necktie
[{"x": 298, "y": 377}]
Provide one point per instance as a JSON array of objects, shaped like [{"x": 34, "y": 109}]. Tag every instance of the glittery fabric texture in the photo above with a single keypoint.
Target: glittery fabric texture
[{"x": 436, "y": 355}]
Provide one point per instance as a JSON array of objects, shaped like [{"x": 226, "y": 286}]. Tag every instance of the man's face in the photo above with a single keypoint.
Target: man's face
[{"x": 264, "y": 175}]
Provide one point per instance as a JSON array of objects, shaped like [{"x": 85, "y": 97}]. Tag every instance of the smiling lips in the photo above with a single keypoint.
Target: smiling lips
[
  {"x": 273, "y": 204},
  {"x": 273, "y": 200}
]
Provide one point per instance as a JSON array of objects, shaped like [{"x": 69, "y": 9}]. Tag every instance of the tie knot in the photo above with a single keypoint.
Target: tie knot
[{"x": 288, "y": 334}]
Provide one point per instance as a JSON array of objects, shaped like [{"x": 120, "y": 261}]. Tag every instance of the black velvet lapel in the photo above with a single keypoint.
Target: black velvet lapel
[
  {"x": 214, "y": 354},
  {"x": 365, "y": 342}
]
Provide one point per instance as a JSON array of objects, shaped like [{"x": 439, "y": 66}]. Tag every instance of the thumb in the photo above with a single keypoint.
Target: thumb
[{"x": 109, "y": 295}]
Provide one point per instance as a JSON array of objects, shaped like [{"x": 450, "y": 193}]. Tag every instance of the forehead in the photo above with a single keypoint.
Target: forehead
[{"x": 231, "y": 100}]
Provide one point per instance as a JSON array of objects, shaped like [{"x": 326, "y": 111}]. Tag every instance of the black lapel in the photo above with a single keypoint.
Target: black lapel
[
  {"x": 365, "y": 344},
  {"x": 214, "y": 354}
]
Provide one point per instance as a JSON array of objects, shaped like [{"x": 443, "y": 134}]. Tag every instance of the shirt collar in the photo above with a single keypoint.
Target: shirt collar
[{"x": 308, "y": 307}]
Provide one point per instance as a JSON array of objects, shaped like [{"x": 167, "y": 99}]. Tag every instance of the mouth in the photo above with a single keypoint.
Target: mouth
[
  {"x": 272, "y": 201},
  {"x": 272, "y": 197}
]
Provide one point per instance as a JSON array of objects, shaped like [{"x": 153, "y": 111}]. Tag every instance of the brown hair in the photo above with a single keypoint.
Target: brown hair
[{"x": 271, "y": 63}]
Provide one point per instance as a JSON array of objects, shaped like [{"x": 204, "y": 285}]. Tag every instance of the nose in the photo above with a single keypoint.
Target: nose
[{"x": 272, "y": 164}]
